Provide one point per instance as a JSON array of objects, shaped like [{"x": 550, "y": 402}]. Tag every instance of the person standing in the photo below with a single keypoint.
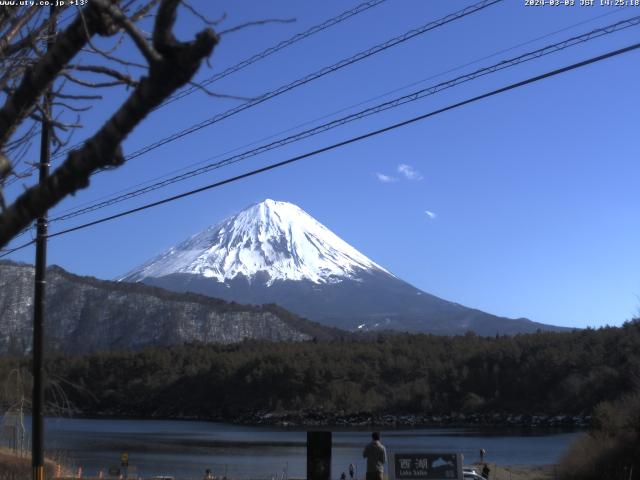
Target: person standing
[
  {"x": 376, "y": 456},
  {"x": 352, "y": 470},
  {"x": 208, "y": 475}
]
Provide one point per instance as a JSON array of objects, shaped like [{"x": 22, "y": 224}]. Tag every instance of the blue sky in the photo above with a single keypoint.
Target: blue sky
[{"x": 521, "y": 205}]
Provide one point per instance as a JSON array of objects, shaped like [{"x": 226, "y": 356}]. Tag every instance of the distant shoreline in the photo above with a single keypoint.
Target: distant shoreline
[
  {"x": 368, "y": 420},
  {"x": 498, "y": 420}
]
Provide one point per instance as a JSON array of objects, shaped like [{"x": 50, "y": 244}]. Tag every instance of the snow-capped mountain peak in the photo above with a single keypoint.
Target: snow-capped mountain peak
[{"x": 276, "y": 238}]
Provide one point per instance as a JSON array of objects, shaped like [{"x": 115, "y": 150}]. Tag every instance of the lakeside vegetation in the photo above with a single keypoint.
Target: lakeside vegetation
[
  {"x": 18, "y": 467},
  {"x": 552, "y": 373},
  {"x": 611, "y": 449},
  {"x": 586, "y": 372}
]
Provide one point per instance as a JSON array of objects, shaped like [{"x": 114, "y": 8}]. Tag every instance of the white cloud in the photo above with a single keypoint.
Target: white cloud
[
  {"x": 386, "y": 178},
  {"x": 430, "y": 214},
  {"x": 409, "y": 172}
]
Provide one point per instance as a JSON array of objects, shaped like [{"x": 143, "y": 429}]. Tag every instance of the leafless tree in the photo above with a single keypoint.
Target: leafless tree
[{"x": 83, "y": 58}]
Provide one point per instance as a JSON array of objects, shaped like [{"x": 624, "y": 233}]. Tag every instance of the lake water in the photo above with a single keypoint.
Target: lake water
[{"x": 184, "y": 449}]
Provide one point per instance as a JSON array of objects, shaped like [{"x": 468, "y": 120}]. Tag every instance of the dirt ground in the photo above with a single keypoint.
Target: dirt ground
[{"x": 520, "y": 472}]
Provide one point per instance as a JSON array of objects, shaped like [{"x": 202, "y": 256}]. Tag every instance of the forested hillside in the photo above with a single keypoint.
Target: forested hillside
[
  {"x": 548, "y": 373},
  {"x": 85, "y": 315}
]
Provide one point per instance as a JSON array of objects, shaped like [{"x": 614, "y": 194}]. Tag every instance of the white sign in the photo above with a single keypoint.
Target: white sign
[{"x": 425, "y": 466}]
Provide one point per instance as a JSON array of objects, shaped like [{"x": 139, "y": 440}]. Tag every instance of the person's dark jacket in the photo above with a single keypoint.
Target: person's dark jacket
[{"x": 376, "y": 456}]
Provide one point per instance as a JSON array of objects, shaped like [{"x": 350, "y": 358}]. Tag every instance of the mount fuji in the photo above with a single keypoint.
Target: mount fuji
[{"x": 274, "y": 252}]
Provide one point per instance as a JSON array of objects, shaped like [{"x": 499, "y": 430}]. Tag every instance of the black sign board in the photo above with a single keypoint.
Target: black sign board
[
  {"x": 319, "y": 455},
  {"x": 427, "y": 466}
]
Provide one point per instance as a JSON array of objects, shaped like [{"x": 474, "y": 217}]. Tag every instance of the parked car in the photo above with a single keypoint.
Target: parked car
[{"x": 472, "y": 476}]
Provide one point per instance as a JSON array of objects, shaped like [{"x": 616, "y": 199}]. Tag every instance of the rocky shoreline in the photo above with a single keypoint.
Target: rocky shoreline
[
  {"x": 323, "y": 419},
  {"x": 315, "y": 418}
]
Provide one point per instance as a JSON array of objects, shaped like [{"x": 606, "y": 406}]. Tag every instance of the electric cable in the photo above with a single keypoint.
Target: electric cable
[
  {"x": 329, "y": 115},
  {"x": 261, "y": 55},
  {"x": 349, "y": 141},
  {"x": 276, "y": 48},
  {"x": 412, "y": 97},
  {"x": 8, "y": 252},
  {"x": 315, "y": 75},
  {"x": 311, "y": 77},
  {"x": 362, "y": 7},
  {"x": 352, "y": 140}
]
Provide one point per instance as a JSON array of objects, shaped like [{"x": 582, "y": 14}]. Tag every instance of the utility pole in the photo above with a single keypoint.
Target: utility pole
[{"x": 37, "y": 420}]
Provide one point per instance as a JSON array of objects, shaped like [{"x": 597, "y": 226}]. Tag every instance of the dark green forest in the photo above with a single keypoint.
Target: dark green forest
[
  {"x": 586, "y": 373},
  {"x": 551, "y": 373}
]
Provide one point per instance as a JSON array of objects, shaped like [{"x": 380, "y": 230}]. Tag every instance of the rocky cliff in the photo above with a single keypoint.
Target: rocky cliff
[{"x": 85, "y": 314}]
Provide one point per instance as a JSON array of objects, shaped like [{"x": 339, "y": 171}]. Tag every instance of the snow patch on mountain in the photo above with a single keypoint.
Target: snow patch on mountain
[{"x": 278, "y": 239}]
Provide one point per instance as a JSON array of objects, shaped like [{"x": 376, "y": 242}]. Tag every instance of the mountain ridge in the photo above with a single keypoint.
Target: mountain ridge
[
  {"x": 274, "y": 252},
  {"x": 85, "y": 314},
  {"x": 275, "y": 237}
]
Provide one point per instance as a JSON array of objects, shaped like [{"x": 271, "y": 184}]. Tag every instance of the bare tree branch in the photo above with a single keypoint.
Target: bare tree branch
[
  {"x": 68, "y": 96},
  {"x": 219, "y": 95},
  {"x": 86, "y": 83},
  {"x": 138, "y": 38},
  {"x": 7, "y": 37},
  {"x": 41, "y": 117},
  {"x": 144, "y": 10},
  {"x": 253, "y": 24},
  {"x": 38, "y": 77},
  {"x": 110, "y": 72},
  {"x": 115, "y": 59},
  {"x": 30, "y": 133},
  {"x": 163, "y": 38},
  {"x": 5, "y": 16},
  {"x": 177, "y": 64},
  {"x": 205, "y": 20},
  {"x": 73, "y": 108},
  {"x": 5, "y": 166},
  {"x": 20, "y": 151}
]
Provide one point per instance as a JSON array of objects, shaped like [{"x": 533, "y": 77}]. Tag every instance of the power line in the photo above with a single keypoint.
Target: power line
[
  {"x": 358, "y": 8},
  {"x": 33, "y": 168},
  {"x": 373, "y": 133},
  {"x": 8, "y": 252},
  {"x": 345, "y": 142},
  {"x": 276, "y": 48},
  {"x": 248, "y": 61},
  {"x": 261, "y": 55},
  {"x": 318, "y": 74},
  {"x": 412, "y": 97},
  {"x": 329, "y": 115}
]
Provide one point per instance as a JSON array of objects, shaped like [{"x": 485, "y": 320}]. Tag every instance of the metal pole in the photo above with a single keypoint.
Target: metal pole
[{"x": 37, "y": 420}]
